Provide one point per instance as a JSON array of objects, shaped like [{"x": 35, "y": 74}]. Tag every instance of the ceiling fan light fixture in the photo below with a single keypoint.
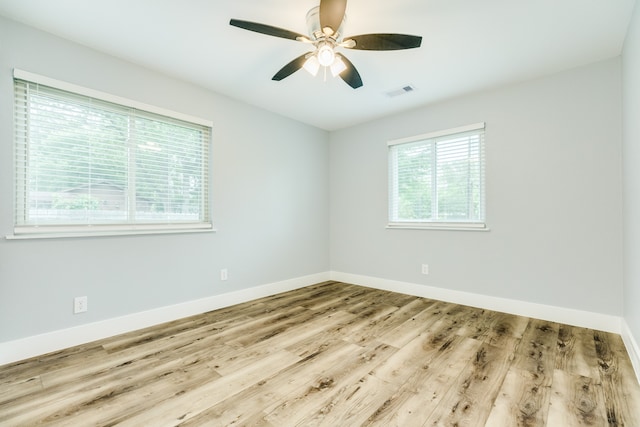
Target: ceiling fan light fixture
[
  {"x": 326, "y": 56},
  {"x": 312, "y": 65},
  {"x": 338, "y": 66}
]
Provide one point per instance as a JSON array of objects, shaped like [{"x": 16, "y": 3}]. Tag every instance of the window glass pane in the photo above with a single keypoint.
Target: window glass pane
[
  {"x": 458, "y": 179},
  {"x": 169, "y": 171},
  {"x": 415, "y": 179},
  {"x": 77, "y": 162}
]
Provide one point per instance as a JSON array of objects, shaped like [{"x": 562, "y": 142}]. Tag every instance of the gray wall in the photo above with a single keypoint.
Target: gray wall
[
  {"x": 290, "y": 200},
  {"x": 554, "y": 201},
  {"x": 631, "y": 168},
  {"x": 270, "y": 198}
]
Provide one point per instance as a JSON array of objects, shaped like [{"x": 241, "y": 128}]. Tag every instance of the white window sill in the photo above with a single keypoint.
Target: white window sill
[
  {"x": 456, "y": 226},
  {"x": 100, "y": 231}
]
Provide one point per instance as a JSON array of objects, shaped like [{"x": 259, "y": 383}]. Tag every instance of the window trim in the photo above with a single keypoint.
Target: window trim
[
  {"x": 104, "y": 231},
  {"x": 455, "y": 226},
  {"x": 104, "y": 96},
  {"x": 97, "y": 230},
  {"x": 435, "y": 225}
]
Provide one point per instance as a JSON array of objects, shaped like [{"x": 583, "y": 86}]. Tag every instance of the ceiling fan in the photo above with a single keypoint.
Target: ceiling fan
[{"x": 325, "y": 23}]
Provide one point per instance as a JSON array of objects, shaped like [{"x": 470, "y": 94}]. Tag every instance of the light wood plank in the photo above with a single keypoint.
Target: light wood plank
[
  {"x": 241, "y": 410},
  {"x": 233, "y": 359},
  {"x": 411, "y": 328},
  {"x": 426, "y": 385},
  {"x": 296, "y": 406},
  {"x": 524, "y": 397},
  {"x": 468, "y": 401},
  {"x": 196, "y": 400},
  {"x": 621, "y": 393},
  {"x": 576, "y": 401},
  {"x": 351, "y": 404},
  {"x": 381, "y": 325},
  {"x": 506, "y": 330},
  {"x": 576, "y": 352}
]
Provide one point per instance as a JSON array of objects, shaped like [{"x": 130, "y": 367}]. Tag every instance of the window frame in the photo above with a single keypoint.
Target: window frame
[
  {"x": 24, "y": 229},
  {"x": 431, "y": 138}
]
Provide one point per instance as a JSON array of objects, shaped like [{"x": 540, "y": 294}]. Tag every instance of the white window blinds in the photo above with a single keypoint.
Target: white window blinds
[
  {"x": 85, "y": 163},
  {"x": 438, "y": 179}
]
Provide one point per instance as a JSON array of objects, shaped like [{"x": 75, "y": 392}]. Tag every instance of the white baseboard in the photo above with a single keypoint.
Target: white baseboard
[
  {"x": 632, "y": 347},
  {"x": 585, "y": 319},
  {"x": 12, "y": 351}
]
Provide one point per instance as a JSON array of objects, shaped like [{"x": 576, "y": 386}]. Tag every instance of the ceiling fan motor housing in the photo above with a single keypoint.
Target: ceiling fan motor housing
[{"x": 316, "y": 33}]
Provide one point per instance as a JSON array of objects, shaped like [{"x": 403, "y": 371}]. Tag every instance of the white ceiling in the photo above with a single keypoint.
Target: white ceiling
[{"x": 468, "y": 46}]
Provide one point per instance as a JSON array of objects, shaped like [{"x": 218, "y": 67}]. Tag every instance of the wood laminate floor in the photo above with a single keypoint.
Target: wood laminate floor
[{"x": 334, "y": 355}]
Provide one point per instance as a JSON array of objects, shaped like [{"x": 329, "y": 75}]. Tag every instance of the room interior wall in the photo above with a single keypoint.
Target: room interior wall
[
  {"x": 554, "y": 206},
  {"x": 290, "y": 200},
  {"x": 631, "y": 184},
  {"x": 270, "y": 197}
]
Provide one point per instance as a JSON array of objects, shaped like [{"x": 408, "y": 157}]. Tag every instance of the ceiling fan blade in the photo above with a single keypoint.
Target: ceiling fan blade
[
  {"x": 331, "y": 15},
  {"x": 385, "y": 41},
  {"x": 290, "y": 68},
  {"x": 350, "y": 75},
  {"x": 266, "y": 29}
]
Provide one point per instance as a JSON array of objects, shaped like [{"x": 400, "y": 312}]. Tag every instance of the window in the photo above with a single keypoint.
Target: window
[
  {"x": 91, "y": 163},
  {"x": 437, "y": 180}
]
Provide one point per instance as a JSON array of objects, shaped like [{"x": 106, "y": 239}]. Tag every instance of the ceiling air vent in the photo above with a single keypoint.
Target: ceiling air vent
[{"x": 401, "y": 91}]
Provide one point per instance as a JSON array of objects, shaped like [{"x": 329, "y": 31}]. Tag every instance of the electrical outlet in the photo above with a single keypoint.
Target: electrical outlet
[
  {"x": 223, "y": 274},
  {"x": 79, "y": 305},
  {"x": 425, "y": 268}
]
